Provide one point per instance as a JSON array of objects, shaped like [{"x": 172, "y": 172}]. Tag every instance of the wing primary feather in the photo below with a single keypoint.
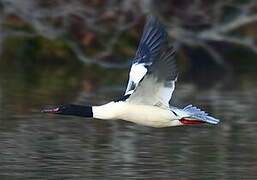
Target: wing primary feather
[{"x": 154, "y": 38}]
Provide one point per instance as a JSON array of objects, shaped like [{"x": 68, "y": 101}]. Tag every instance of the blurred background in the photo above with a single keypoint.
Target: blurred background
[{"x": 79, "y": 51}]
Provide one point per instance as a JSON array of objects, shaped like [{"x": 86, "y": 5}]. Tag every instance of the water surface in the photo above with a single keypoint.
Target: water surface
[{"x": 39, "y": 146}]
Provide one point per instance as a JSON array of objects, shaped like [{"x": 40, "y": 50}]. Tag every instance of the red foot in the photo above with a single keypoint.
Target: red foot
[{"x": 185, "y": 121}]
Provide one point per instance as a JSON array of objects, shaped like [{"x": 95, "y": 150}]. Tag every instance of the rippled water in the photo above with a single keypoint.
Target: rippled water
[{"x": 39, "y": 146}]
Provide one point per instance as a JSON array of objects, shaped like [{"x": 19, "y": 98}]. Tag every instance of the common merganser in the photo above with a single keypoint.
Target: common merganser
[{"x": 150, "y": 86}]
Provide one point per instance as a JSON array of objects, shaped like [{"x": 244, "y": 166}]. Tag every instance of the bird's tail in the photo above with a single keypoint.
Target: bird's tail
[{"x": 196, "y": 114}]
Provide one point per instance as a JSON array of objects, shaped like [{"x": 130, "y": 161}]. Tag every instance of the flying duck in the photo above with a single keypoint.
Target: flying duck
[{"x": 152, "y": 78}]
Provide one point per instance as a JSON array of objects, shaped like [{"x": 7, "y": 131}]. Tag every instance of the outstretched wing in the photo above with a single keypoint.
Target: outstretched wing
[
  {"x": 154, "y": 37},
  {"x": 158, "y": 84}
]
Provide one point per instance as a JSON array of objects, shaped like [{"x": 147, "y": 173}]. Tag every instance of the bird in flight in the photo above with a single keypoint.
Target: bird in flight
[{"x": 152, "y": 79}]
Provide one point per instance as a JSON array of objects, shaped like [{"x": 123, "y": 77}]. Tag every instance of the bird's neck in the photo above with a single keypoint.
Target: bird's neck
[{"x": 83, "y": 111}]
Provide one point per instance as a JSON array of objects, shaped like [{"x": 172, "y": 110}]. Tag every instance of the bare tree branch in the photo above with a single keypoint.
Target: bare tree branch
[
  {"x": 89, "y": 60},
  {"x": 191, "y": 23},
  {"x": 247, "y": 42},
  {"x": 236, "y": 23}
]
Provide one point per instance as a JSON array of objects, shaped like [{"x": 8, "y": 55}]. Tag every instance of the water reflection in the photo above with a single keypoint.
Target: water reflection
[{"x": 39, "y": 146}]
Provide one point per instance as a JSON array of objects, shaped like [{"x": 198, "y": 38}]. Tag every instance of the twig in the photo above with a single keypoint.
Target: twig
[{"x": 82, "y": 57}]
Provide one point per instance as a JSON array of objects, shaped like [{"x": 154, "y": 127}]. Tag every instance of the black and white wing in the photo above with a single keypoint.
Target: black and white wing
[
  {"x": 153, "y": 39},
  {"x": 158, "y": 84}
]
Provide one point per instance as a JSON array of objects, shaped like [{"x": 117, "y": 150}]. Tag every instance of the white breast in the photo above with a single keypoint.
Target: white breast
[{"x": 141, "y": 114}]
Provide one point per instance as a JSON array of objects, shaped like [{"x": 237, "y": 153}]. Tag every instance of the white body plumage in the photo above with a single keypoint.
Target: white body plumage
[{"x": 152, "y": 116}]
